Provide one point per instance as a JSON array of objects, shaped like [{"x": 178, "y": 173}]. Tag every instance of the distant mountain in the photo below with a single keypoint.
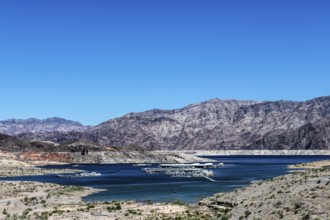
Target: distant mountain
[
  {"x": 214, "y": 124},
  {"x": 14, "y": 144},
  {"x": 186, "y": 128},
  {"x": 32, "y": 125},
  {"x": 223, "y": 124}
]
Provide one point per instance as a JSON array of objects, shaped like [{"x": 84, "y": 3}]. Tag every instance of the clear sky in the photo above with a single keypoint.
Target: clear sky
[{"x": 92, "y": 60}]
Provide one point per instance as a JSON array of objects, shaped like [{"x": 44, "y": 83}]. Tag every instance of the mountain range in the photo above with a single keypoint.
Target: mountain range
[
  {"x": 212, "y": 125},
  {"x": 33, "y": 125}
]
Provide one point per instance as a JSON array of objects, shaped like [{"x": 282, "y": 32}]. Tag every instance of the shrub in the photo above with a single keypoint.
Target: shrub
[
  {"x": 90, "y": 206},
  {"x": 280, "y": 213},
  {"x": 277, "y": 204},
  {"x": 297, "y": 205},
  {"x": 224, "y": 217},
  {"x": 247, "y": 213},
  {"x": 178, "y": 202},
  {"x": 306, "y": 217}
]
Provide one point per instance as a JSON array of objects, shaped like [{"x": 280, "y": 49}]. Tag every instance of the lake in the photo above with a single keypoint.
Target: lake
[{"x": 128, "y": 182}]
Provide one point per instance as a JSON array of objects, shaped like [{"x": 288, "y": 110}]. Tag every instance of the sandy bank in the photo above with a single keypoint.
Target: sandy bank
[
  {"x": 33, "y": 200},
  {"x": 256, "y": 152},
  {"x": 11, "y": 167},
  {"x": 301, "y": 195},
  {"x": 103, "y": 157},
  {"x": 312, "y": 165}
]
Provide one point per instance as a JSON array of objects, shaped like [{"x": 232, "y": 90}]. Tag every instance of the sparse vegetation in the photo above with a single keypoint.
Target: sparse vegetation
[
  {"x": 306, "y": 217},
  {"x": 287, "y": 197},
  {"x": 115, "y": 207}
]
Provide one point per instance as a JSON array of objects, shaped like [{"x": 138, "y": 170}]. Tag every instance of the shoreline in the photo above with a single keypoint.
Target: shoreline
[
  {"x": 54, "y": 201},
  {"x": 158, "y": 156},
  {"x": 12, "y": 168},
  {"x": 41, "y": 200},
  {"x": 256, "y": 152},
  {"x": 301, "y": 194},
  {"x": 310, "y": 165}
]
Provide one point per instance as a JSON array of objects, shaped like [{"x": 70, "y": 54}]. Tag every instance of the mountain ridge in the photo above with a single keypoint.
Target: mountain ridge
[
  {"x": 212, "y": 125},
  {"x": 34, "y": 125}
]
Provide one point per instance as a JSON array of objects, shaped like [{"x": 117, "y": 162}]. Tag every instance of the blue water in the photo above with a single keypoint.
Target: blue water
[{"x": 128, "y": 182}]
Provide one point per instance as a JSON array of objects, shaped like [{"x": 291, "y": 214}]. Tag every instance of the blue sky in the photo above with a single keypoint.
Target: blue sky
[{"x": 95, "y": 60}]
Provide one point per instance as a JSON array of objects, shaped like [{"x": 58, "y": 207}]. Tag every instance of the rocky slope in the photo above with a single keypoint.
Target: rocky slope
[
  {"x": 13, "y": 144},
  {"x": 47, "y": 152},
  {"x": 213, "y": 125},
  {"x": 300, "y": 195},
  {"x": 223, "y": 124},
  {"x": 312, "y": 136},
  {"x": 32, "y": 125}
]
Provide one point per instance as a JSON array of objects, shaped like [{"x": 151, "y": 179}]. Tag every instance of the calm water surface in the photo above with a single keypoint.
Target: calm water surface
[{"x": 128, "y": 182}]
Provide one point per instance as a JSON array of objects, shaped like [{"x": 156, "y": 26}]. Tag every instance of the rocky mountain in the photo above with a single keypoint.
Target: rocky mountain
[
  {"x": 310, "y": 136},
  {"x": 32, "y": 125},
  {"x": 213, "y": 125},
  {"x": 223, "y": 124},
  {"x": 169, "y": 129},
  {"x": 13, "y": 144}
]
